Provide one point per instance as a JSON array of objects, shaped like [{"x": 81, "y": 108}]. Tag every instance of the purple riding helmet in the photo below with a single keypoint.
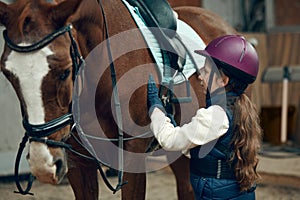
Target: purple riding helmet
[{"x": 237, "y": 56}]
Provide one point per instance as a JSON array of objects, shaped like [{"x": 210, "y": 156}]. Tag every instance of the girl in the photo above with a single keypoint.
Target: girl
[{"x": 223, "y": 138}]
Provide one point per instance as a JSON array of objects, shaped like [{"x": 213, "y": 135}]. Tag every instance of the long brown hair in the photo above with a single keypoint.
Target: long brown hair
[
  {"x": 247, "y": 135},
  {"x": 246, "y": 141}
]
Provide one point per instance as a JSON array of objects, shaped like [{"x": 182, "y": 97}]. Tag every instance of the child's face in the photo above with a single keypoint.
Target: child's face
[{"x": 205, "y": 73}]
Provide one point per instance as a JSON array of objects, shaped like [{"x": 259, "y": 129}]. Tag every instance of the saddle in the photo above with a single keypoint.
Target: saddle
[
  {"x": 156, "y": 13},
  {"x": 159, "y": 14}
]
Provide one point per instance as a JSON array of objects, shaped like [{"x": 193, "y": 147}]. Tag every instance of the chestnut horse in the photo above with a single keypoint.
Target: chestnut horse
[{"x": 43, "y": 77}]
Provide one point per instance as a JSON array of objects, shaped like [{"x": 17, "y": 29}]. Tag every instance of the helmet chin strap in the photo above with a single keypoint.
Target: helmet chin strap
[
  {"x": 218, "y": 96},
  {"x": 209, "y": 85}
]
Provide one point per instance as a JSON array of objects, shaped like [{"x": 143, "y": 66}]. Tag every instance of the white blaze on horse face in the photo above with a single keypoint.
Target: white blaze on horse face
[{"x": 30, "y": 69}]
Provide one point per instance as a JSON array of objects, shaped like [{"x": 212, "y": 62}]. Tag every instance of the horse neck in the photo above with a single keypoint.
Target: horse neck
[
  {"x": 91, "y": 26},
  {"x": 88, "y": 23}
]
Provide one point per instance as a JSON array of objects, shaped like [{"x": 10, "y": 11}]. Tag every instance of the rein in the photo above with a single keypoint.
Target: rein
[{"x": 117, "y": 106}]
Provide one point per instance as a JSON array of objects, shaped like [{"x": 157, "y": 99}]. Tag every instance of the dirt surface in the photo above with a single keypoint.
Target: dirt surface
[{"x": 160, "y": 186}]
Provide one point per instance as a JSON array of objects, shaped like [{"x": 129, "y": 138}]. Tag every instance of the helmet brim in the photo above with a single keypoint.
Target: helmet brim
[
  {"x": 238, "y": 74},
  {"x": 202, "y": 53}
]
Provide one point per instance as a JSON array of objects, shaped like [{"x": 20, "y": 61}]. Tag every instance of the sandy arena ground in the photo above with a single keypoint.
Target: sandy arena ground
[{"x": 160, "y": 186}]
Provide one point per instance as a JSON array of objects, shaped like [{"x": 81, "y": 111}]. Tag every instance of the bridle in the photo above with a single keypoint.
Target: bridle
[{"x": 40, "y": 132}]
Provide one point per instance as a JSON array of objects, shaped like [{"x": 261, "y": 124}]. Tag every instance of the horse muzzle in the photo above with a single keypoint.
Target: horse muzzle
[
  {"x": 47, "y": 158},
  {"x": 48, "y": 165}
]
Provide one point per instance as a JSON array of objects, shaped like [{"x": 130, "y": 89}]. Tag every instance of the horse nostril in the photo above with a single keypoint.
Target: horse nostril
[
  {"x": 59, "y": 165},
  {"x": 61, "y": 168}
]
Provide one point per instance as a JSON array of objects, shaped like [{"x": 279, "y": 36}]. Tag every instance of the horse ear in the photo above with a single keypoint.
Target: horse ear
[
  {"x": 62, "y": 11},
  {"x": 3, "y": 13}
]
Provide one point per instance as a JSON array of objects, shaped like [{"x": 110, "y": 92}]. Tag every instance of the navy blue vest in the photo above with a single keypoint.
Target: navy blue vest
[{"x": 211, "y": 160}]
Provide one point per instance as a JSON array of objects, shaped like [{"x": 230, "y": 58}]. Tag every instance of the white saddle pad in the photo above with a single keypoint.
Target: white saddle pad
[{"x": 189, "y": 37}]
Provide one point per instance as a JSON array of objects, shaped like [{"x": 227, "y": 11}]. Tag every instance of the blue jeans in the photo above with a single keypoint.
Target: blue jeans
[{"x": 217, "y": 189}]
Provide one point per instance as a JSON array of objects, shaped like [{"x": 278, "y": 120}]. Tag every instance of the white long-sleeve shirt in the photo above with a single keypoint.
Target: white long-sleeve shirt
[{"x": 208, "y": 124}]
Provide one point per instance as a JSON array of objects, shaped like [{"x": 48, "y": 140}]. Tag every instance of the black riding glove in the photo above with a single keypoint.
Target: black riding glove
[{"x": 152, "y": 96}]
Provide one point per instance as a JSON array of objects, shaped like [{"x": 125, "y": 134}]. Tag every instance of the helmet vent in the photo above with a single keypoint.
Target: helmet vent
[
  {"x": 243, "y": 51},
  {"x": 223, "y": 39}
]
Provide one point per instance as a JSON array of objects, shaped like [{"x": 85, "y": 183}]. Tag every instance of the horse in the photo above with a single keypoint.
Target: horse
[{"x": 42, "y": 70}]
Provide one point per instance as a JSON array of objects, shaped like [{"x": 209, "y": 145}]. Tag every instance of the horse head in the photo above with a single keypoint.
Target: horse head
[{"x": 37, "y": 62}]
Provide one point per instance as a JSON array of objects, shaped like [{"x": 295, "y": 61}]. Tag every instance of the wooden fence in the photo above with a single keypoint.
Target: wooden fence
[{"x": 278, "y": 49}]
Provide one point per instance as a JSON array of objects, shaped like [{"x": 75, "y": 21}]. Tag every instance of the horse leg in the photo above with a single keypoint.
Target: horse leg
[
  {"x": 135, "y": 189},
  {"x": 82, "y": 174},
  {"x": 181, "y": 170}
]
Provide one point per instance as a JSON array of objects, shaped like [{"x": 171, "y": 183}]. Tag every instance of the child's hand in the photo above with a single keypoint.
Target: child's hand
[{"x": 152, "y": 96}]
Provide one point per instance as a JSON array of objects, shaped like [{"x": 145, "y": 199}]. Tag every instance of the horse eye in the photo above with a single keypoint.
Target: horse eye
[{"x": 65, "y": 75}]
